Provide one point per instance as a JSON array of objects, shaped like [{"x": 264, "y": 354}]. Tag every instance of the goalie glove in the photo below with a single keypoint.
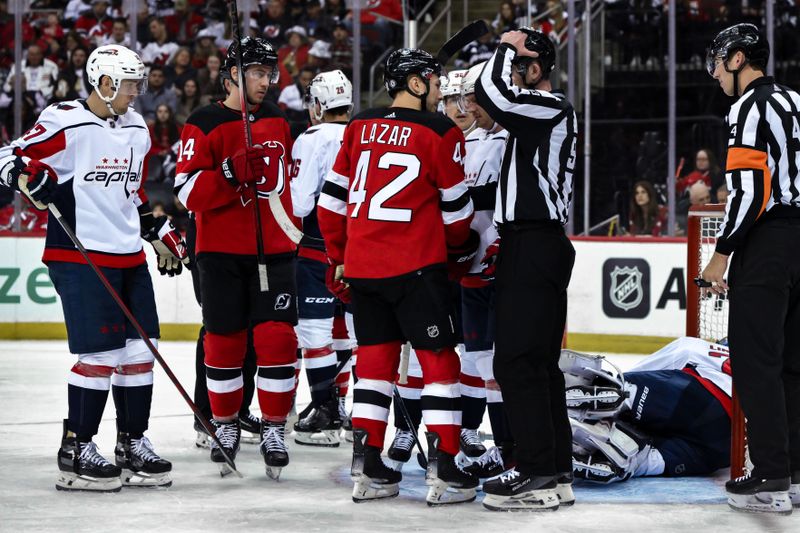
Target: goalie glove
[
  {"x": 459, "y": 258},
  {"x": 334, "y": 280},
  {"x": 606, "y": 452},
  {"x": 36, "y": 180},
  {"x": 167, "y": 242}
]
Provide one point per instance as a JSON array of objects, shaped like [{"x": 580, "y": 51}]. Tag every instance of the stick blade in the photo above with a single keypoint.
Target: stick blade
[{"x": 462, "y": 38}]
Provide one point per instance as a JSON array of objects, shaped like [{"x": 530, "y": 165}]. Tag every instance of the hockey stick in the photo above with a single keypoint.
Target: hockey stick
[
  {"x": 405, "y": 358},
  {"x": 465, "y": 35},
  {"x": 421, "y": 458},
  {"x": 135, "y": 323},
  {"x": 248, "y": 140}
]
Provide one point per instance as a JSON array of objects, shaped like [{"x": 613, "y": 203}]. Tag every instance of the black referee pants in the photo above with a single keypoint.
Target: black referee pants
[
  {"x": 764, "y": 337},
  {"x": 533, "y": 272}
]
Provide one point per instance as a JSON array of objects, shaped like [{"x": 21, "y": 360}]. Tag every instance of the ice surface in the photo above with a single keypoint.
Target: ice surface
[{"x": 314, "y": 491}]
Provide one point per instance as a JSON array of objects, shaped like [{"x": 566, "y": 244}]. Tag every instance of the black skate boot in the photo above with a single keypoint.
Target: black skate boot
[
  {"x": 470, "y": 443},
  {"x": 229, "y": 435},
  {"x": 81, "y": 467},
  {"x": 488, "y": 465},
  {"x": 756, "y": 495},
  {"x": 321, "y": 427},
  {"x": 347, "y": 421},
  {"x": 250, "y": 425},
  {"x": 401, "y": 448},
  {"x": 514, "y": 491},
  {"x": 447, "y": 483},
  {"x": 273, "y": 448},
  {"x": 141, "y": 466},
  {"x": 372, "y": 479}
]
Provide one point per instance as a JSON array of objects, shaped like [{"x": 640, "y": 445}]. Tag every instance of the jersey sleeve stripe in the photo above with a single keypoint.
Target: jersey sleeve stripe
[
  {"x": 184, "y": 183},
  {"x": 338, "y": 179},
  {"x": 455, "y": 205},
  {"x": 332, "y": 189},
  {"x": 47, "y": 148},
  {"x": 332, "y": 204},
  {"x": 451, "y": 217},
  {"x": 452, "y": 193}
]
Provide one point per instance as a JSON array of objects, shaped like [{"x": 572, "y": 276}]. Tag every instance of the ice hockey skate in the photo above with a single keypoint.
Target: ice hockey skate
[
  {"x": 514, "y": 491},
  {"x": 81, "y": 467},
  {"x": 321, "y": 427},
  {"x": 250, "y": 426},
  {"x": 141, "y": 466},
  {"x": 273, "y": 448},
  {"x": 229, "y": 435},
  {"x": 488, "y": 465},
  {"x": 470, "y": 443},
  {"x": 754, "y": 495},
  {"x": 447, "y": 483},
  {"x": 372, "y": 479},
  {"x": 401, "y": 448}
]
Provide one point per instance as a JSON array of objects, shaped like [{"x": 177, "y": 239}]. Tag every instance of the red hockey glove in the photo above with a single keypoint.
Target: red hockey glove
[
  {"x": 459, "y": 258},
  {"x": 489, "y": 261},
  {"x": 245, "y": 167},
  {"x": 39, "y": 183},
  {"x": 169, "y": 246},
  {"x": 334, "y": 280}
]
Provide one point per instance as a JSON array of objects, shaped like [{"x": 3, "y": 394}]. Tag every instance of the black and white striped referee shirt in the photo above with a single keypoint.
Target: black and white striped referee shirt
[
  {"x": 761, "y": 169},
  {"x": 539, "y": 158}
]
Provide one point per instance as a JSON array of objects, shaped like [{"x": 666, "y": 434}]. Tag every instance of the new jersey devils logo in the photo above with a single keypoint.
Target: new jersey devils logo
[{"x": 276, "y": 169}]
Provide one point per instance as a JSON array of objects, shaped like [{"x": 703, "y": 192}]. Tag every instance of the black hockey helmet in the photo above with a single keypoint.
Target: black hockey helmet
[
  {"x": 745, "y": 37},
  {"x": 255, "y": 51},
  {"x": 403, "y": 63},
  {"x": 541, "y": 44}
]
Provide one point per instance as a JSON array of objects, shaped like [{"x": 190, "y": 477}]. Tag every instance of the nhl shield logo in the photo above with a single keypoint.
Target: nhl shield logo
[
  {"x": 626, "y": 287},
  {"x": 433, "y": 331}
]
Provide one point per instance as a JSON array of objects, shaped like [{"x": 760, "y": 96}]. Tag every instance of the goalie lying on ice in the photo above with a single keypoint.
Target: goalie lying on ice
[{"x": 669, "y": 415}]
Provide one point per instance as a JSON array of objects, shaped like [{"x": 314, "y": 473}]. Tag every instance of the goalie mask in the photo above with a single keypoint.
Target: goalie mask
[{"x": 595, "y": 388}]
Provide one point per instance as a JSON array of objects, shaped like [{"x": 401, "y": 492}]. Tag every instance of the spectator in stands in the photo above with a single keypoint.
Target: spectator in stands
[
  {"x": 647, "y": 218},
  {"x": 119, "y": 33},
  {"x": 295, "y": 9},
  {"x": 203, "y": 48},
  {"x": 180, "y": 68},
  {"x": 342, "y": 50},
  {"x": 705, "y": 170},
  {"x": 184, "y": 24},
  {"x": 52, "y": 34},
  {"x": 188, "y": 101},
  {"x": 274, "y": 21},
  {"x": 161, "y": 49},
  {"x": 506, "y": 18},
  {"x": 315, "y": 19},
  {"x": 38, "y": 73},
  {"x": 291, "y": 99},
  {"x": 336, "y": 9},
  {"x": 319, "y": 56},
  {"x": 293, "y": 55},
  {"x": 75, "y": 9},
  {"x": 208, "y": 80},
  {"x": 722, "y": 194},
  {"x": 477, "y": 51},
  {"x": 699, "y": 194},
  {"x": 72, "y": 83},
  {"x": 164, "y": 133},
  {"x": 157, "y": 94},
  {"x": 95, "y": 24}
]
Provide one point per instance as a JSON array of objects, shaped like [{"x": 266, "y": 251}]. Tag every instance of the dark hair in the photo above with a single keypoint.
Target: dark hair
[
  {"x": 122, "y": 20},
  {"x": 153, "y": 68},
  {"x": 713, "y": 167},
  {"x": 171, "y": 125},
  {"x": 644, "y": 221}
]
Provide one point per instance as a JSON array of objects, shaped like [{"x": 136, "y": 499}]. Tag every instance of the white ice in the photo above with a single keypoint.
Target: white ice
[{"x": 314, "y": 493}]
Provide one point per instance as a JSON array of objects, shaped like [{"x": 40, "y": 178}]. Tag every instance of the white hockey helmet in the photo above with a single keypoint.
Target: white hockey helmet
[
  {"x": 331, "y": 90},
  {"x": 451, "y": 84},
  {"x": 468, "y": 84},
  {"x": 118, "y": 63}
]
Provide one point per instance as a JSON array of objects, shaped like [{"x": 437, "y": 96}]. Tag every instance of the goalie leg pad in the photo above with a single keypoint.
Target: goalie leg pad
[{"x": 607, "y": 453}]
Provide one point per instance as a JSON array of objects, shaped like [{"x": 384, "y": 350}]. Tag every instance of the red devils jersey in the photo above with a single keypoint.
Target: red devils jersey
[
  {"x": 395, "y": 198},
  {"x": 225, "y": 216}
]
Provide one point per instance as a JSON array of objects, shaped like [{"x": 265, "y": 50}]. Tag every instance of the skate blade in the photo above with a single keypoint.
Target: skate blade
[
  {"x": 761, "y": 502},
  {"x": 225, "y": 470},
  {"x": 328, "y": 438},
  {"x": 365, "y": 490},
  {"x": 202, "y": 441},
  {"x": 395, "y": 465},
  {"x": 535, "y": 500},
  {"x": 440, "y": 493},
  {"x": 143, "y": 480},
  {"x": 274, "y": 472},
  {"x": 566, "y": 497},
  {"x": 348, "y": 435},
  {"x": 69, "y": 481}
]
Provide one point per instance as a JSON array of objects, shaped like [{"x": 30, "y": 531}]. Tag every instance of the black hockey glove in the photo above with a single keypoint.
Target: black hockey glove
[
  {"x": 459, "y": 258},
  {"x": 167, "y": 242}
]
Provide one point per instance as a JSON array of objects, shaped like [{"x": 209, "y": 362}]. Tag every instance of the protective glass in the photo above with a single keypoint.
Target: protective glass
[
  {"x": 132, "y": 87},
  {"x": 258, "y": 73},
  {"x": 467, "y": 102},
  {"x": 712, "y": 60}
]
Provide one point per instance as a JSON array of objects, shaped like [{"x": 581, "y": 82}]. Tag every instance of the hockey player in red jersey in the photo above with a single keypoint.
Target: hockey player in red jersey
[
  {"x": 217, "y": 176},
  {"x": 393, "y": 210},
  {"x": 87, "y": 158}
]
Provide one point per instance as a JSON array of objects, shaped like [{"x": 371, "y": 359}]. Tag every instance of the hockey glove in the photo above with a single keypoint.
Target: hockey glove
[
  {"x": 245, "y": 167},
  {"x": 459, "y": 258},
  {"x": 169, "y": 246},
  {"x": 37, "y": 181},
  {"x": 334, "y": 280},
  {"x": 489, "y": 261}
]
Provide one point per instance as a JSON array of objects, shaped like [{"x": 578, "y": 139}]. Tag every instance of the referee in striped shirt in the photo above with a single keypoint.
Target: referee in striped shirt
[
  {"x": 762, "y": 227},
  {"x": 534, "y": 263}
]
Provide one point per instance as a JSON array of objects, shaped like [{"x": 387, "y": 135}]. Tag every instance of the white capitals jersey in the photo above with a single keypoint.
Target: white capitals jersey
[
  {"x": 100, "y": 165},
  {"x": 481, "y": 172},
  {"x": 706, "y": 361},
  {"x": 313, "y": 155}
]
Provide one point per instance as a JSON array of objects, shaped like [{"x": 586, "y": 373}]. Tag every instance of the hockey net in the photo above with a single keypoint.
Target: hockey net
[{"x": 707, "y": 318}]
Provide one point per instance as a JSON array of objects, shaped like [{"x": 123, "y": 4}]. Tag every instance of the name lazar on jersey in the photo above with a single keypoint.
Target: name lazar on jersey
[{"x": 385, "y": 134}]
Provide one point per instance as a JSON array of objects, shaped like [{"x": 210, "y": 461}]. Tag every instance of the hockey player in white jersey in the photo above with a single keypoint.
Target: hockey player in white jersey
[
  {"x": 330, "y": 100},
  {"x": 667, "y": 416},
  {"x": 87, "y": 158}
]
